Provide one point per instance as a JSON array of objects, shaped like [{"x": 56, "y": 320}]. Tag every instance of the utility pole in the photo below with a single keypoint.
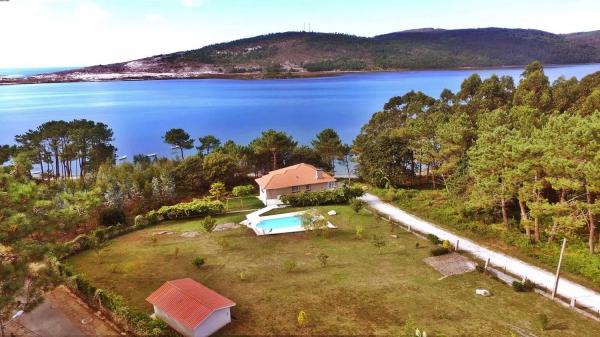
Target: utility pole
[{"x": 562, "y": 251}]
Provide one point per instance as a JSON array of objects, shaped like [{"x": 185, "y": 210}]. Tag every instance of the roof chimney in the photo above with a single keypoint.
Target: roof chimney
[{"x": 319, "y": 173}]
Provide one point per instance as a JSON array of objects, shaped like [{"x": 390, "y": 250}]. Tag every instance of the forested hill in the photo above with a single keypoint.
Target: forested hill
[
  {"x": 585, "y": 38},
  {"x": 307, "y": 53}
]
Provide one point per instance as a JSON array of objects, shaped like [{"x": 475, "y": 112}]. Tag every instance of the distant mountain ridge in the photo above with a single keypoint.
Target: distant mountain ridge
[{"x": 291, "y": 54}]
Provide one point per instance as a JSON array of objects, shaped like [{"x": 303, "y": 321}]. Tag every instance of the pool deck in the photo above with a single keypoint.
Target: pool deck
[{"x": 253, "y": 219}]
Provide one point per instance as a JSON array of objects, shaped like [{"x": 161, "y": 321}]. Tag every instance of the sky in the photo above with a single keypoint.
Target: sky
[{"x": 40, "y": 33}]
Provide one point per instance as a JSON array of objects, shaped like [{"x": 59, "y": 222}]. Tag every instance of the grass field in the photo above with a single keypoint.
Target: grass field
[
  {"x": 435, "y": 206},
  {"x": 360, "y": 292},
  {"x": 243, "y": 203}
]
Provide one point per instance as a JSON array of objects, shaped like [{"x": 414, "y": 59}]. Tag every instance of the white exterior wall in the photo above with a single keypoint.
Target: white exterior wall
[
  {"x": 173, "y": 323},
  {"x": 210, "y": 325},
  {"x": 214, "y": 322},
  {"x": 263, "y": 196}
]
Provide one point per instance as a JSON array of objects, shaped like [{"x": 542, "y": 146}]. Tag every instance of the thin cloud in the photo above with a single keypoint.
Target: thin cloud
[{"x": 192, "y": 3}]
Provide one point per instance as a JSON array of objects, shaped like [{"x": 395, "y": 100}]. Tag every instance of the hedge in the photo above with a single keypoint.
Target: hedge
[
  {"x": 196, "y": 207},
  {"x": 130, "y": 319},
  {"x": 328, "y": 197}
]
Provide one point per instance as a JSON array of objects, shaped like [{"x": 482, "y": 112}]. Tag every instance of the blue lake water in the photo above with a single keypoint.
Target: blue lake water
[{"x": 141, "y": 112}]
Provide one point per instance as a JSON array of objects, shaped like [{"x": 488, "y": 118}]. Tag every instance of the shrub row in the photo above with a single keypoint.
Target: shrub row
[
  {"x": 86, "y": 241},
  {"x": 328, "y": 197},
  {"x": 132, "y": 320},
  {"x": 194, "y": 208}
]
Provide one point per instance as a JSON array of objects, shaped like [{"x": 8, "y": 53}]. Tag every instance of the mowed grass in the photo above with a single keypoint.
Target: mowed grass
[
  {"x": 243, "y": 203},
  {"x": 360, "y": 292}
]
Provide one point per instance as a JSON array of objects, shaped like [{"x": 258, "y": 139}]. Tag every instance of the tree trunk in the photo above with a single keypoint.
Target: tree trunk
[
  {"x": 524, "y": 218},
  {"x": 592, "y": 221},
  {"x": 432, "y": 179},
  {"x": 553, "y": 231},
  {"x": 57, "y": 164},
  {"x": 2, "y": 327},
  {"x": 274, "y": 160},
  {"x": 181, "y": 149},
  {"x": 504, "y": 214},
  {"x": 536, "y": 229}
]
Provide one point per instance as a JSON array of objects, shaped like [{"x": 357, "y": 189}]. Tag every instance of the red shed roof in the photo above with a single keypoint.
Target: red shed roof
[{"x": 188, "y": 301}]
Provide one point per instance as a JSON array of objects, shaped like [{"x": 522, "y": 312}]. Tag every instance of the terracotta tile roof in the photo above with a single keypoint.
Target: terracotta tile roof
[
  {"x": 296, "y": 175},
  {"x": 188, "y": 301}
]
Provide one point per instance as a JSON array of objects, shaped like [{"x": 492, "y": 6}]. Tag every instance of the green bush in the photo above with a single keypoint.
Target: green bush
[
  {"x": 523, "y": 287},
  {"x": 111, "y": 216},
  {"x": 152, "y": 218},
  {"x": 242, "y": 190},
  {"x": 140, "y": 221},
  {"x": 208, "y": 224},
  {"x": 82, "y": 242},
  {"x": 328, "y": 197},
  {"x": 198, "y": 261},
  {"x": 194, "y": 208},
  {"x": 357, "y": 204},
  {"x": 438, "y": 251},
  {"x": 434, "y": 239}
]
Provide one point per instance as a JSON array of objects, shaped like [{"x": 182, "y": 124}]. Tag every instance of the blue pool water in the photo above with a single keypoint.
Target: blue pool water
[{"x": 279, "y": 223}]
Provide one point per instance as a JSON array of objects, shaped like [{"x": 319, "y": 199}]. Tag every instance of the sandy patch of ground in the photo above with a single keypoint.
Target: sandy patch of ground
[
  {"x": 190, "y": 234},
  {"x": 451, "y": 264},
  {"x": 226, "y": 226}
]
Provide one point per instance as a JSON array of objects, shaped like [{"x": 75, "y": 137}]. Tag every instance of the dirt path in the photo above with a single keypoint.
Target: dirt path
[
  {"x": 583, "y": 296},
  {"x": 62, "y": 314}
]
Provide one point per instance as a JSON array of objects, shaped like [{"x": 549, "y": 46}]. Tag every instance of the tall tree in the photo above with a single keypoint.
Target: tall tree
[
  {"x": 328, "y": 145},
  {"x": 276, "y": 143},
  {"x": 208, "y": 144},
  {"x": 180, "y": 139}
]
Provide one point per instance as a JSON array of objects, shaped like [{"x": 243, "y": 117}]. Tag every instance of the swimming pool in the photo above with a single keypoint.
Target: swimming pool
[{"x": 293, "y": 222}]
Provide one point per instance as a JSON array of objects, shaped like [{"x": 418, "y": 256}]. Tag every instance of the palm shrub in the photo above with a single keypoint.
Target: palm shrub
[
  {"x": 357, "y": 204},
  {"x": 208, "y": 224},
  {"x": 359, "y": 231}
]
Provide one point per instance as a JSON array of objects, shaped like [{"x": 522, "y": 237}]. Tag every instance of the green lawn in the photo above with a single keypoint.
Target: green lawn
[
  {"x": 434, "y": 205},
  {"x": 243, "y": 203},
  {"x": 360, "y": 292}
]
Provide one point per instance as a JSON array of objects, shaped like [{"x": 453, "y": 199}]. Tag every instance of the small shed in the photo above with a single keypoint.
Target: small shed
[{"x": 191, "y": 308}]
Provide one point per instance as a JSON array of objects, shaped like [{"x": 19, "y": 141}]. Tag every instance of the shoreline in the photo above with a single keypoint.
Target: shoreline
[{"x": 75, "y": 77}]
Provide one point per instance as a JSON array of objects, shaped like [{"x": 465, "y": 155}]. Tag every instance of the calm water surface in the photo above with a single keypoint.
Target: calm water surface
[{"x": 141, "y": 112}]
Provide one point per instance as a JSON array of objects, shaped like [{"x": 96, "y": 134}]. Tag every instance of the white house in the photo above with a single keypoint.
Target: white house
[
  {"x": 191, "y": 308},
  {"x": 293, "y": 179}
]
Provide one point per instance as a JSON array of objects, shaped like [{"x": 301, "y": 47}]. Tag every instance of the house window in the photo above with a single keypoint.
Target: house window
[
  {"x": 295, "y": 189},
  {"x": 331, "y": 184},
  {"x": 308, "y": 187}
]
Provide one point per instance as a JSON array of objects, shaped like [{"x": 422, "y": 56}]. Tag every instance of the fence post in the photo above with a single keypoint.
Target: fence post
[
  {"x": 562, "y": 251},
  {"x": 457, "y": 242},
  {"x": 573, "y": 302},
  {"x": 487, "y": 263}
]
